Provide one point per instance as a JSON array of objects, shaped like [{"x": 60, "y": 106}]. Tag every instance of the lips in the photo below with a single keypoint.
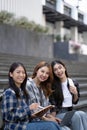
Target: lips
[
  {"x": 43, "y": 78},
  {"x": 22, "y": 79},
  {"x": 59, "y": 74}
]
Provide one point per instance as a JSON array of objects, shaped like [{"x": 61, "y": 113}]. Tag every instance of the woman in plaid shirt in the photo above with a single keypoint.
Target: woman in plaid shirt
[{"x": 16, "y": 112}]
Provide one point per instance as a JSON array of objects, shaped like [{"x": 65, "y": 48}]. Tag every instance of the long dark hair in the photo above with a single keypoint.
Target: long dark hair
[
  {"x": 12, "y": 84},
  {"x": 46, "y": 85},
  {"x": 57, "y": 94}
]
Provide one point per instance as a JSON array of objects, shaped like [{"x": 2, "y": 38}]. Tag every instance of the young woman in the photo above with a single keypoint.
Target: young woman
[
  {"x": 39, "y": 88},
  {"x": 16, "y": 113},
  {"x": 65, "y": 94}
]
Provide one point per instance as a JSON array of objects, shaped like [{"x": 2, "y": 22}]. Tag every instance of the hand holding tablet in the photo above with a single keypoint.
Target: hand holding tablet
[{"x": 41, "y": 111}]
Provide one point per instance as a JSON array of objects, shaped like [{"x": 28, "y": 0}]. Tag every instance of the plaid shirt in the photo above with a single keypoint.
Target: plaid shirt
[
  {"x": 15, "y": 111},
  {"x": 36, "y": 94}
]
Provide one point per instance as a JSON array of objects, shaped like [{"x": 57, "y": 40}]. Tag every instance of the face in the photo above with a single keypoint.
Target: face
[
  {"x": 59, "y": 71},
  {"x": 18, "y": 75},
  {"x": 42, "y": 74}
]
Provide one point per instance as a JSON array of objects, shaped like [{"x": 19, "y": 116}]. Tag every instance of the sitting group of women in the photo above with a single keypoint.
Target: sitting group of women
[{"x": 49, "y": 84}]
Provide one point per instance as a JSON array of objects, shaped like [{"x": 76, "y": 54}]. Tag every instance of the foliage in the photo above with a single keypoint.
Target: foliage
[
  {"x": 23, "y": 22},
  {"x": 8, "y": 18},
  {"x": 57, "y": 37},
  {"x": 5, "y": 17},
  {"x": 66, "y": 37}
]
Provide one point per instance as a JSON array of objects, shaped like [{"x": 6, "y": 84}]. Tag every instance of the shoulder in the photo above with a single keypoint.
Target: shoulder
[
  {"x": 73, "y": 81},
  {"x": 77, "y": 86},
  {"x": 9, "y": 90},
  {"x": 30, "y": 84},
  {"x": 76, "y": 83},
  {"x": 29, "y": 81},
  {"x": 9, "y": 99},
  {"x": 9, "y": 93}
]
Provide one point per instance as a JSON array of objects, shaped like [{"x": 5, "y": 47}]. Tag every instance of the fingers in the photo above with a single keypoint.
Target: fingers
[
  {"x": 34, "y": 106},
  {"x": 73, "y": 90}
]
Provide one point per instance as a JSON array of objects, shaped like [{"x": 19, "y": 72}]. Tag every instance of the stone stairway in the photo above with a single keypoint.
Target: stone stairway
[
  {"x": 82, "y": 80},
  {"x": 77, "y": 70}
]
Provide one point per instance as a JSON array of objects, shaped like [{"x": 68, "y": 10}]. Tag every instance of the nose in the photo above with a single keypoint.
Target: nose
[
  {"x": 21, "y": 74},
  {"x": 58, "y": 70},
  {"x": 44, "y": 74}
]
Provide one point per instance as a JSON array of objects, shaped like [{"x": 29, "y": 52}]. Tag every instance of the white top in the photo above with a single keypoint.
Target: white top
[{"x": 67, "y": 95}]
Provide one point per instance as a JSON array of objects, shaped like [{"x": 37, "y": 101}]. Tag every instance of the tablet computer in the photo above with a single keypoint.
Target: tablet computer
[{"x": 41, "y": 111}]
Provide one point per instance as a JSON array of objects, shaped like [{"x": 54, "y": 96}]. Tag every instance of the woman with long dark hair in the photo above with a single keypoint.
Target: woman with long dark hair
[
  {"x": 15, "y": 109},
  {"x": 65, "y": 94}
]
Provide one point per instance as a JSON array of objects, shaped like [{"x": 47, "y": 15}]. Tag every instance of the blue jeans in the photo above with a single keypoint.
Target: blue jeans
[
  {"x": 78, "y": 121},
  {"x": 43, "y": 125}
]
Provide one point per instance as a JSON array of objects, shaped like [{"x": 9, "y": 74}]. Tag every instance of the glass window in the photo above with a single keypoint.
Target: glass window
[
  {"x": 67, "y": 10},
  {"x": 80, "y": 17}
]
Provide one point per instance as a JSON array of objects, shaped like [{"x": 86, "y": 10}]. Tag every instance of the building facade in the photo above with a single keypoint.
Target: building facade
[{"x": 65, "y": 20}]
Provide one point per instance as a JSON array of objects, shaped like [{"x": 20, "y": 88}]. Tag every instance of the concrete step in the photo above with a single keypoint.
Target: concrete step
[
  {"x": 82, "y": 105},
  {"x": 77, "y": 70}
]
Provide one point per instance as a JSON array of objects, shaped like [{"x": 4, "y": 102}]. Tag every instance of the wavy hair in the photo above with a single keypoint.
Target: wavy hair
[{"x": 46, "y": 85}]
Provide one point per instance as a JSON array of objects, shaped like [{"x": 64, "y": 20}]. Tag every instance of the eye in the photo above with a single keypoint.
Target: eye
[
  {"x": 55, "y": 69},
  {"x": 47, "y": 73},
  {"x": 60, "y": 67},
  {"x": 23, "y": 72},
  {"x": 42, "y": 71},
  {"x": 17, "y": 72}
]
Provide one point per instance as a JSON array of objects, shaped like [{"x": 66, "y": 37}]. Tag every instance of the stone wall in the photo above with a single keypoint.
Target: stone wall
[{"x": 15, "y": 40}]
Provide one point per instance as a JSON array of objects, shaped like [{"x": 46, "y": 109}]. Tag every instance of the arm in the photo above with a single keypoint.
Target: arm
[
  {"x": 49, "y": 117},
  {"x": 31, "y": 91},
  {"x": 11, "y": 108},
  {"x": 75, "y": 92},
  {"x": 53, "y": 101}
]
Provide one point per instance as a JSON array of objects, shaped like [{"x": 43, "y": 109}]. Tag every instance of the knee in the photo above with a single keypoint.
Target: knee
[
  {"x": 80, "y": 113},
  {"x": 76, "y": 116}
]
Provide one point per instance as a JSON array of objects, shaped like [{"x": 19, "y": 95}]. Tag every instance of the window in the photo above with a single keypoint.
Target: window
[
  {"x": 67, "y": 10},
  {"x": 51, "y": 1},
  {"x": 80, "y": 17}
]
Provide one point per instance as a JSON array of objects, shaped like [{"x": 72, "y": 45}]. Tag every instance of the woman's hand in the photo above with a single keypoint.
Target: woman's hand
[
  {"x": 49, "y": 117},
  {"x": 53, "y": 114},
  {"x": 34, "y": 106},
  {"x": 73, "y": 90}
]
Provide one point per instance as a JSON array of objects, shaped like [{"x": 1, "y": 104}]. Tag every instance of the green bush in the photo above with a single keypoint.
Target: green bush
[
  {"x": 5, "y": 17},
  {"x": 8, "y": 18},
  {"x": 57, "y": 37}
]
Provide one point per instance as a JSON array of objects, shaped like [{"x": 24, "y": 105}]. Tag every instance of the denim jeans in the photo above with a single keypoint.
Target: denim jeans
[
  {"x": 78, "y": 121},
  {"x": 43, "y": 125}
]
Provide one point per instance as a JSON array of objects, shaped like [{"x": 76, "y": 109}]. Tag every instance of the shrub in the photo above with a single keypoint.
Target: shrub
[
  {"x": 5, "y": 17},
  {"x": 8, "y": 18}
]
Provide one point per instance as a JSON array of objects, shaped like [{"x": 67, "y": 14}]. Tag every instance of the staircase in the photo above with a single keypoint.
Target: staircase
[{"x": 77, "y": 71}]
